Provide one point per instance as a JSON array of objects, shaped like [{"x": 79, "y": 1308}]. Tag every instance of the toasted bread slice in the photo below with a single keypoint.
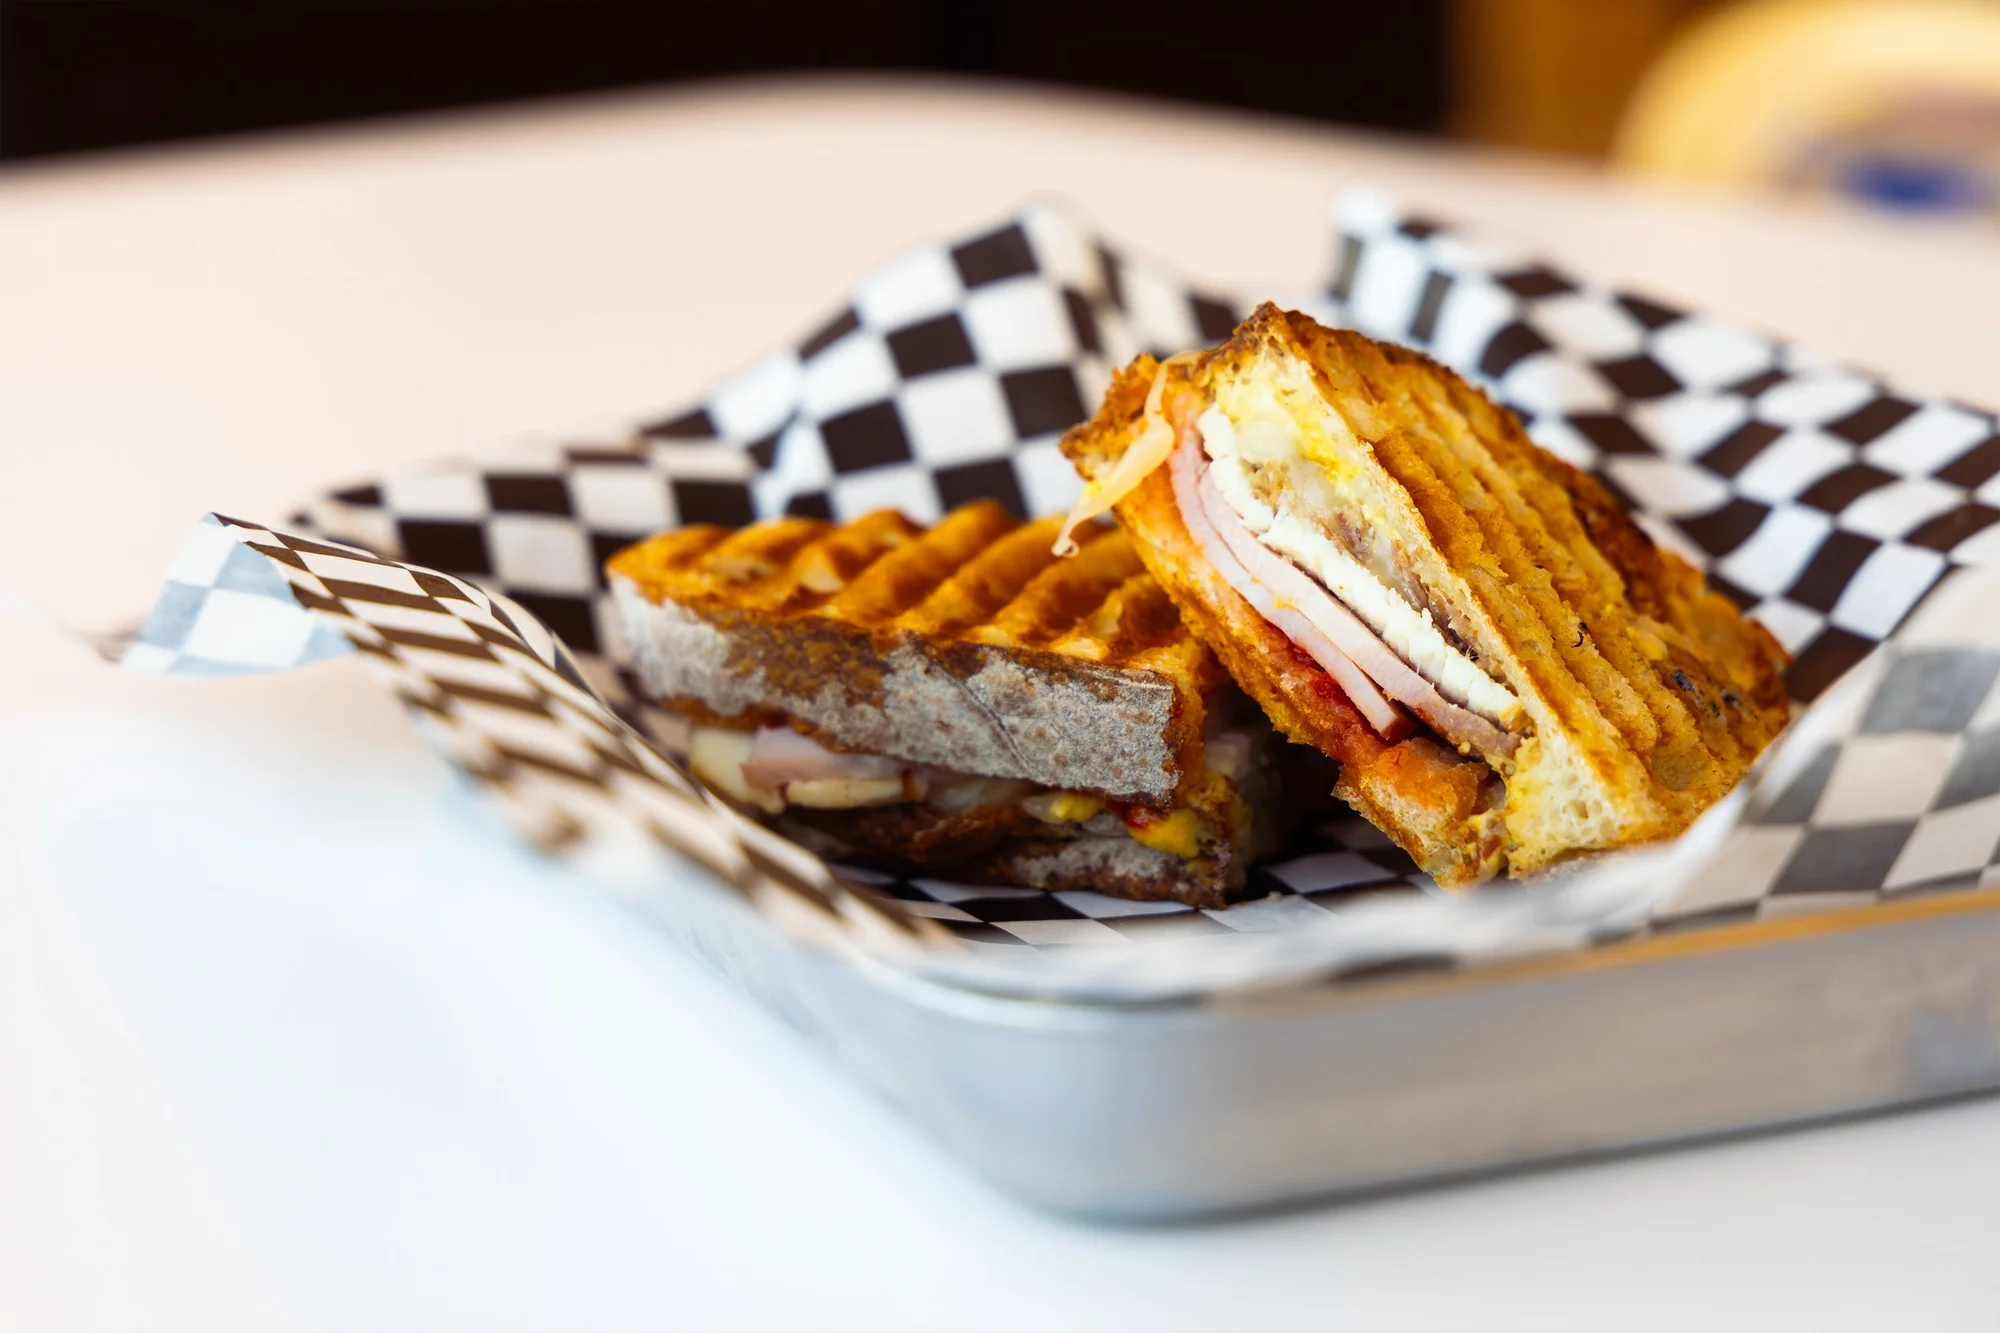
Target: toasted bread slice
[
  {"x": 965, "y": 645},
  {"x": 1629, "y": 696}
]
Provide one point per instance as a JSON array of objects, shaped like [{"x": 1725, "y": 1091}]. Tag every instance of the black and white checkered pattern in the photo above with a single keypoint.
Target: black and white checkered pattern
[
  {"x": 1336, "y": 864},
  {"x": 1889, "y": 787},
  {"x": 537, "y": 522},
  {"x": 497, "y": 693},
  {"x": 1820, "y": 499},
  {"x": 946, "y": 378},
  {"x": 950, "y": 374},
  {"x": 224, "y": 611}
]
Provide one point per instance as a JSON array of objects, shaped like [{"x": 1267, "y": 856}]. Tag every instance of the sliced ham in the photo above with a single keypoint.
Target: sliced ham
[
  {"x": 1459, "y": 724},
  {"x": 1370, "y": 671},
  {"x": 1381, "y": 663},
  {"x": 779, "y": 755},
  {"x": 1186, "y": 469},
  {"x": 1315, "y": 620}
]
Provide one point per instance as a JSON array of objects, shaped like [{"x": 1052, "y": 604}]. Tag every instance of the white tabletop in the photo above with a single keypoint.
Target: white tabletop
[{"x": 255, "y": 1080}]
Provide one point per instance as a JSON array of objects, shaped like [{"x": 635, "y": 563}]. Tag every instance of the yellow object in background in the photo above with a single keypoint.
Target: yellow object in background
[
  {"x": 1554, "y": 75},
  {"x": 1896, "y": 102}
]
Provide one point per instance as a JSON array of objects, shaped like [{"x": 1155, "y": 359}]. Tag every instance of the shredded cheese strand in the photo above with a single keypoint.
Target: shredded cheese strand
[{"x": 1151, "y": 448}]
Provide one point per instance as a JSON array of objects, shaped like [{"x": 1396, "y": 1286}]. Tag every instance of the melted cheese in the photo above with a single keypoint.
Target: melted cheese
[
  {"x": 1148, "y": 449},
  {"x": 1260, "y": 433},
  {"x": 716, "y": 755},
  {"x": 1063, "y": 807},
  {"x": 1178, "y": 833},
  {"x": 845, "y": 793}
]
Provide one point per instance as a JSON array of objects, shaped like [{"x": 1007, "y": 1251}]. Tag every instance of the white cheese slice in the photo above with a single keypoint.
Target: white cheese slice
[
  {"x": 716, "y": 755},
  {"x": 1266, "y": 435},
  {"x": 844, "y": 793}
]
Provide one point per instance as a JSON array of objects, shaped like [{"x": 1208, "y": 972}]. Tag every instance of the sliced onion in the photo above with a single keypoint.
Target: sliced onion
[
  {"x": 1292, "y": 589},
  {"x": 779, "y": 755},
  {"x": 1147, "y": 451}
]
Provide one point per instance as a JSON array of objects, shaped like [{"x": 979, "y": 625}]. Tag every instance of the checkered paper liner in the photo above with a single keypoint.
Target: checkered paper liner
[
  {"x": 503, "y": 699},
  {"x": 1821, "y": 500}
]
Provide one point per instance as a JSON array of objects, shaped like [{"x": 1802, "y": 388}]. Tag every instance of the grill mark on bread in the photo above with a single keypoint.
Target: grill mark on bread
[
  {"x": 1656, "y": 692},
  {"x": 755, "y": 555},
  {"x": 1063, "y": 593},
  {"x": 905, "y": 575},
  {"x": 1670, "y": 591},
  {"x": 1532, "y": 563},
  {"x": 1696, "y": 749},
  {"x": 1139, "y": 624},
  {"x": 1485, "y": 573},
  {"x": 823, "y": 568},
  {"x": 1602, "y": 674},
  {"x": 688, "y": 547},
  {"x": 988, "y": 582},
  {"x": 1593, "y": 591},
  {"x": 1659, "y": 585},
  {"x": 1564, "y": 594},
  {"x": 976, "y": 592},
  {"x": 978, "y": 575},
  {"x": 1603, "y": 668},
  {"x": 1137, "y": 618}
]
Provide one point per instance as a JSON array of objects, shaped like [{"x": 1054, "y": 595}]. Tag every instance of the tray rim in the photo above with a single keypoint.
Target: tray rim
[{"x": 1056, "y": 1011}]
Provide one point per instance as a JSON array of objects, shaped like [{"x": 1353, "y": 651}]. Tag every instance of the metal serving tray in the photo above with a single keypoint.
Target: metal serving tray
[
  {"x": 1861, "y": 983},
  {"x": 1153, "y": 1112}
]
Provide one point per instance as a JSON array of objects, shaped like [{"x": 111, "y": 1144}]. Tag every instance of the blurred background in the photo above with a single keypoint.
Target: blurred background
[{"x": 1896, "y": 102}]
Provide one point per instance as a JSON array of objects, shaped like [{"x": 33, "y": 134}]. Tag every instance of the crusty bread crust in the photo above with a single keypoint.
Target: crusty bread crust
[
  {"x": 1646, "y": 695},
  {"x": 965, "y": 645}
]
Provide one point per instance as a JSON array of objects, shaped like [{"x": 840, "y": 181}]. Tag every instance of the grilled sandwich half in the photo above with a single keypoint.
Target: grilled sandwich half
[
  {"x": 1508, "y": 671},
  {"x": 957, "y": 700}
]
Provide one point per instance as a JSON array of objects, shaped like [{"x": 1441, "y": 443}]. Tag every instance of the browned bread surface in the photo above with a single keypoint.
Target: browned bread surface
[
  {"x": 1645, "y": 694},
  {"x": 965, "y": 645}
]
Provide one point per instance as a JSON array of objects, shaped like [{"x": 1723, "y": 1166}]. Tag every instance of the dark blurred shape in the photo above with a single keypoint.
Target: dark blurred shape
[{"x": 76, "y": 77}]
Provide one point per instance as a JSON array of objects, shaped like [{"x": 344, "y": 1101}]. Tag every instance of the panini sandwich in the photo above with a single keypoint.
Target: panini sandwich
[
  {"x": 958, "y": 701},
  {"x": 1508, "y": 671}
]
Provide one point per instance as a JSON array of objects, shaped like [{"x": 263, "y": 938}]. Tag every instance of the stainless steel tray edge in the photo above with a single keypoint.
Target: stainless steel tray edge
[{"x": 1172, "y": 1111}]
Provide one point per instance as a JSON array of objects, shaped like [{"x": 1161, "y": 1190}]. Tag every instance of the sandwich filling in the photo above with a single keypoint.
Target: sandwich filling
[
  {"x": 1507, "y": 669},
  {"x": 776, "y": 768},
  {"x": 1259, "y": 488}
]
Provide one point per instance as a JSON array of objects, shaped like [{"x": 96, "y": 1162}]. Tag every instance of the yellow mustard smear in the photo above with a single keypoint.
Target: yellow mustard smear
[
  {"x": 1178, "y": 833},
  {"x": 1074, "y": 806}
]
